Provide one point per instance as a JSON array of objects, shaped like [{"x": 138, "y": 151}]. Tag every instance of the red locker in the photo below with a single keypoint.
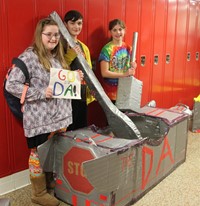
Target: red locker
[
  {"x": 145, "y": 44},
  {"x": 97, "y": 37},
  {"x": 168, "y": 55},
  {"x": 169, "y": 31},
  {"x": 196, "y": 76},
  {"x": 157, "y": 54},
  {"x": 180, "y": 53},
  {"x": 132, "y": 19},
  {"x": 191, "y": 52}
]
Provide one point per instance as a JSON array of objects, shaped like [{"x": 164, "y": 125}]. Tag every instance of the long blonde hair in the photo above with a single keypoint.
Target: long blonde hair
[{"x": 40, "y": 50}]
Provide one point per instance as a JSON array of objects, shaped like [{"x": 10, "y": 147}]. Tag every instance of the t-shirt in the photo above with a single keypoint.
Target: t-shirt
[{"x": 119, "y": 61}]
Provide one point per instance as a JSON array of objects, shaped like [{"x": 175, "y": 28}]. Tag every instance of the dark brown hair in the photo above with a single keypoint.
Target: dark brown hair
[{"x": 114, "y": 22}]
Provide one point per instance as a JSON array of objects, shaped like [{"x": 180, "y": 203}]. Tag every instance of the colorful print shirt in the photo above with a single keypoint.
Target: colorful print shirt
[
  {"x": 40, "y": 115},
  {"x": 119, "y": 61}
]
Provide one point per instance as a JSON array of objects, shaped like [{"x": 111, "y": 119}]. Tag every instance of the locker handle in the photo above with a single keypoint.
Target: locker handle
[
  {"x": 197, "y": 56},
  {"x": 188, "y": 56},
  {"x": 167, "y": 58},
  {"x": 156, "y": 59},
  {"x": 143, "y": 60}
]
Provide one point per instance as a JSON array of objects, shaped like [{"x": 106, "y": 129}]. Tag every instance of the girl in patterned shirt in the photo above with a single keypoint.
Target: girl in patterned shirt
[
  {"x": 115, "y": 59},
  {"x": 43, "y": 115}
]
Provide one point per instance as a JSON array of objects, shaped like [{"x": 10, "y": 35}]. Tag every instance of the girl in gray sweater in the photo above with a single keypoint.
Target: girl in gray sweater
[{"x": 43, "y": 115}]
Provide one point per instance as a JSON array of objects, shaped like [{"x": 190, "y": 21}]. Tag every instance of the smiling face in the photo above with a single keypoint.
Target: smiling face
[
  {"x": 117, "y": 33},
  {"x": 74, "y": 27},
  {"x": 50, "y": 37}
]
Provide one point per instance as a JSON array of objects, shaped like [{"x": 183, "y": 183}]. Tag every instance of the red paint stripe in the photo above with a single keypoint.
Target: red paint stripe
[
  {"x": 95, "y": 136},
  {"x": 87, "y": 203},
  {"x": 87, "y": 138},
  {"x": 157, "y": 114},
  {"x": 59, "y": 181},
  {"x": 151, "y": 111},
  {"x": 74, "y": 200},
  {"x": 103, "y": 197},
  {"x": 104, "y": 140}
]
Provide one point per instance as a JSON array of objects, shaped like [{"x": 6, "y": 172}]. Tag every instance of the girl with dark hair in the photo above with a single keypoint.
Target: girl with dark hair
[{"x": 115, "y": 59}]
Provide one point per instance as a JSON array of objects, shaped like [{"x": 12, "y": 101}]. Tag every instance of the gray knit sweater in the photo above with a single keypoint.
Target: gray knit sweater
[{"x": 40, "y": 115}]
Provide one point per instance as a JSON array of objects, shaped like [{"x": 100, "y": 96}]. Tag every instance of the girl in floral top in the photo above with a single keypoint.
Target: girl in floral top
[{"x": 43, "y": 115}]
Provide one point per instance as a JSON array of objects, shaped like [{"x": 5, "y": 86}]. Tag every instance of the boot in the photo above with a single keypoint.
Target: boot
[
  {"x": 39, "y": 192},
  {"x": 50, "y": 183},
  {"x": 50, "y": 180}
]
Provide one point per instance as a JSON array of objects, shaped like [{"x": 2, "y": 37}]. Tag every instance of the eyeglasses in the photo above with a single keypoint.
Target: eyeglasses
[{"x": 50, "y": 35}]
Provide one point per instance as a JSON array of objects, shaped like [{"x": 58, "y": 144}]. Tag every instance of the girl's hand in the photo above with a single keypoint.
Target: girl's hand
[
  {"x": 133, "y": 65},
  {"x": 80, "y": 73},
  {"x": 49, "y": 92},
  {"x": 130, "y": 72}
]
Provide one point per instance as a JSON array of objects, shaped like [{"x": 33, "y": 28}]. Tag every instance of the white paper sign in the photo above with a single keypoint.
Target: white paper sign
[{"x": 65, "y": 83}]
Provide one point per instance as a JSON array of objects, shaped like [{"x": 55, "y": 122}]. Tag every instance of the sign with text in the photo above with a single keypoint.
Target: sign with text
[{"x": 65, "y": 84}]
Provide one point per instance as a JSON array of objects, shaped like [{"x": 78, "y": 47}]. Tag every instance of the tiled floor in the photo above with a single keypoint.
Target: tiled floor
[{"x": 180, "y": 188}]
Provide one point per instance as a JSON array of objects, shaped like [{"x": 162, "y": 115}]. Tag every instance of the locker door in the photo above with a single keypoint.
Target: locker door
[
  {"x": 43, "y": 9},
  {"x": 19, "y": 38},
  {"x": 169, "y": 53},
  {"x": 116, "y": 9},
  {"x": 158, "y": 51},
  {"x": 97, "y": 37},
  {"x": 5, "y": 161},
  {"x": 196, "y": 76},
  {"x": 145, "y": 43},
  {"x": 191, "y": 52},
  {"x": 180, "y": 54},
  {"x": 132, "y": 23}
]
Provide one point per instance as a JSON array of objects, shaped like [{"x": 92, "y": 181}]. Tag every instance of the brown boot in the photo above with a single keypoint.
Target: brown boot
[
  {"x": 50, "y": 180},
  {"x": 39, "y": 192}
]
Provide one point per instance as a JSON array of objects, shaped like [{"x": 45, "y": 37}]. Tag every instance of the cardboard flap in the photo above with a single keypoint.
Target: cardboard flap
[
  {"x": 108, "y": 173},
  {"x": 170, "y": 117},
  {"x": 103, "y": 173},
  {"x": 46, "y": 155},
  {"x": 129, "y": 94}
]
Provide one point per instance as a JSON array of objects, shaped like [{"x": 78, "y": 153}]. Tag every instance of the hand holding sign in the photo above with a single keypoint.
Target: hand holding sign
[{"x": 65, "y": 83}]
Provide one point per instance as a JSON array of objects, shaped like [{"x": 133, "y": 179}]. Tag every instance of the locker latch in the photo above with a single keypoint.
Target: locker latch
[
  {"x": 167, "y": 58},
  {"x": 143, "y": 60}
]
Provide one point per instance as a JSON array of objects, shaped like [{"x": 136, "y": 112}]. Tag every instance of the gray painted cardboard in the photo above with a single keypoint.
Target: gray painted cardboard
[
  {"x": 94, "y": 169},
  {"x": 196, "y": 117},
  {"x": 129, "y": 94},
  {"x": 107, "y": 176}
]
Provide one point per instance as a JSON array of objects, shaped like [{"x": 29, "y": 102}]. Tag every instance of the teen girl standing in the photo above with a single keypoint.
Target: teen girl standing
[
  {"x": 43, "y": 115},
  {"x": 115, "y": 59}
]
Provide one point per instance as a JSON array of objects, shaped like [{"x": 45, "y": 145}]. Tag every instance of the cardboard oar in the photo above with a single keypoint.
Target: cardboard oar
[
  {"x": 134, "y": 46},
  {"x": 129, "y": 90},
  {"x": 121, "y": 125}
]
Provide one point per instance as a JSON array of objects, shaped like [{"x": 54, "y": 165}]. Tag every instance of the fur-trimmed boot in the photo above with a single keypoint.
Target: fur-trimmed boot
[
  {"x": 39, "y": 192},
  {"x": 50, "y": 182}
]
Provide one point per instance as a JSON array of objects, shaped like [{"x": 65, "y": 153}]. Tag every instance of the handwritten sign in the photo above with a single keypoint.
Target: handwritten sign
[{"x": 65, "y": 83}]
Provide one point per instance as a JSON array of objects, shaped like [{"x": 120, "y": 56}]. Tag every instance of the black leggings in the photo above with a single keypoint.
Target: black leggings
[{"x": 35, "y": 141}]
